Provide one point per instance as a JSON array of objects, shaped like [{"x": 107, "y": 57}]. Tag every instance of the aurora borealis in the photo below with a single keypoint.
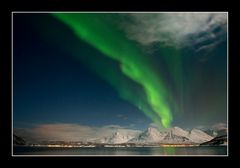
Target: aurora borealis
[
  {"x": 132, "y": 62},
  {"x": 171, "y": 73}
]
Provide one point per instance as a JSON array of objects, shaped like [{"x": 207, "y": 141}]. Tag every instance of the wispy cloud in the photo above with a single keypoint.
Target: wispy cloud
[
  {"x": 66, "y": 132},
  {"x": 219, "y": 126},
  {"x": 121, "y": 116},
  {"x": 175, "y": 29},
  {"x": 57, "y": 132}
]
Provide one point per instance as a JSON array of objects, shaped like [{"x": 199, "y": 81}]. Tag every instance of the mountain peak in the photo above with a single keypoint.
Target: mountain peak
[
  {"x": 199, "y": 136},
  {"x": 151, "y": 129},
  {"x": 179, "y": 131},
  {"x": 149, "y": 135},
  {"x": 119, "y": 136}
]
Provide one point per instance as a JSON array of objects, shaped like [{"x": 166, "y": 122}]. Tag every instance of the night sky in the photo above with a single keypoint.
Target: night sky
[{"x": 60, "y": 76}]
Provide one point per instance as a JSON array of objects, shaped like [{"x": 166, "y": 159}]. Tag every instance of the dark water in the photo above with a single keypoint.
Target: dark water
[{"x": 203, "y": 150}]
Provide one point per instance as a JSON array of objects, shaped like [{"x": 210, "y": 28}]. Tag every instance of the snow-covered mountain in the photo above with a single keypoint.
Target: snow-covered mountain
[
  {"x": 113, "y": 134},
  {"x": 216, "y": 130},
  {"x": 176, "y": 135},
  {"x": 117, "y": 138},
  {"x": 173, "y": 135},
  {"x": 120, "y": 136},
  {"x": 178, "y": 131},
  {"x": 220, "y": 140},
  {"x": 210, "y": 132},
  {"x": 199, "y": 136},
  {"x": 220, "y": 129},
  {"x": 151, "y": 135}
]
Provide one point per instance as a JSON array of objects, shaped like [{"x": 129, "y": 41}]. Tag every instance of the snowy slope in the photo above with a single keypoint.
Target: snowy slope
[
  {"x": 173, "y": 135},
  {"x": 176, "y": 135},
  {"x": 179, "y": 131},
  {"x": 199, "y": 136},
  {"x": 220, "y": 129},
  {"x": 151, "y": 135},
  {"x": 120, "y": 136}
]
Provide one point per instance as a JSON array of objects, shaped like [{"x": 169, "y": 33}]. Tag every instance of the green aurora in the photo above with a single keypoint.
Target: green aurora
[{"x": 133, "y": 63}]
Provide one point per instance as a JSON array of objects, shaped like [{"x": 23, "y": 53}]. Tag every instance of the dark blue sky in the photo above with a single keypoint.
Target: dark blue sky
[{"x": 52, "y": 86}]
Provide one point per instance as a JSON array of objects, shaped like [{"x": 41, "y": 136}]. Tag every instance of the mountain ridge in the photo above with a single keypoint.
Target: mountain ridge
[{"x": 151, "y": 135}]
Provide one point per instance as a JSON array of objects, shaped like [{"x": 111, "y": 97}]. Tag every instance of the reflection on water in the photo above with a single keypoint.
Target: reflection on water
[
  {"x": 169, "y": 151},
  {"x": 203, "y": 150}
]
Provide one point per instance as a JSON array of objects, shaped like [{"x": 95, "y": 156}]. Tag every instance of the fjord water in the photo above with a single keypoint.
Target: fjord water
[{"x": 151, "y": 151}]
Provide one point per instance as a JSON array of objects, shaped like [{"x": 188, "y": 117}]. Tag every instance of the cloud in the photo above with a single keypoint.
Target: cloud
[
  {"x": 121, "y": 116},
  {"x": 57, "y": 132},
  {"x": 132, "y": 125},
  {"x": 219, "y": 126},
  {"x": 201, "y": 127},
  {"x": 66, "y": 132},
  {"x": 175, "y": 29}
]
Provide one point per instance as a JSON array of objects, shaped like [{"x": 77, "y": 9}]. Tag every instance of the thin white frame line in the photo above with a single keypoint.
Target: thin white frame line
[
  {"x": 119, "y": 155},
  {"x": 227, "y": 84},
  {"x": 13, "y": 12},
  {"x": 111, "y": 12}
]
